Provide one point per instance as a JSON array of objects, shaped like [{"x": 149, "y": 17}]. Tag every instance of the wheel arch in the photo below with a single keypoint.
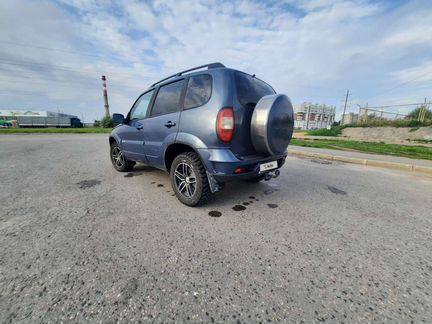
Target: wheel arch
[
  {"x": 175, "y": 149},
  {"x": 112, "y": 140}
]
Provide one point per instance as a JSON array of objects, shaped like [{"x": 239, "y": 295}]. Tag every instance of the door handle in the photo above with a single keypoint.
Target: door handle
[
  {"x": 138, "y": 126},
  {"x": 170, "y": 124}
]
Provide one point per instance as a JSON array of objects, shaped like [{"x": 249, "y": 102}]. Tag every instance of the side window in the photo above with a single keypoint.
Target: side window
[
  {"x": 198, "y": 91},
  {"x": 140, "y": 109},
  {"x": 168, "y": 99}
]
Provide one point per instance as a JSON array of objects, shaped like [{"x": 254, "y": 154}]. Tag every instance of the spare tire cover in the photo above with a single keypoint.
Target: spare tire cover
[{"x": 272, "y": 124}]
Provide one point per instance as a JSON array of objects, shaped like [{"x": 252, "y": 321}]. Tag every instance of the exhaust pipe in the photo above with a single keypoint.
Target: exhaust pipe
[{"x": 271, "y": 174}]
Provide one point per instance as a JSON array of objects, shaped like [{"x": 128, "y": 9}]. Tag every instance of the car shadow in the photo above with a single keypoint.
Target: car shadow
[{"x": 233, "y": 195}]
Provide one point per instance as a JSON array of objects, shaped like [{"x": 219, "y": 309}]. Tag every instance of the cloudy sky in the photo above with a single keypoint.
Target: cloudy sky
[{"x": 52, "y": 53}]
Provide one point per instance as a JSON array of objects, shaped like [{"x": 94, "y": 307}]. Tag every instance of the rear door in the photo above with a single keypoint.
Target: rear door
[
  {"x": 132, "y": 134},
  {"x": 249, "y": 91},
  {"x": 161, "y": 127}
]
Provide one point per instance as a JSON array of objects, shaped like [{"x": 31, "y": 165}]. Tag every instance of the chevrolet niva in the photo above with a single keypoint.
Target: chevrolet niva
[{"x": 205, "y": 126}]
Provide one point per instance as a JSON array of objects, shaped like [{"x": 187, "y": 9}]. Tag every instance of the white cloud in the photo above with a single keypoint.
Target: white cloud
[
  {"x": 311, "y": 50},
  {"x": 418, "y": 74}
]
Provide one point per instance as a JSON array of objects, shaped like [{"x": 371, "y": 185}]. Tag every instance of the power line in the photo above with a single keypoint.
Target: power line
[
  {"x": 44, "y": 83},
  {"x": 62, "y": 68},
  {"x": 46, "y": 79},
  {"x": 57, "y": 49},
  {"x": 74, "y": 83},
  {"x": 22, "y": 94},
  {"x": 68, "y": 82},
  {"x": 399, "y": 85},
  {"x": 110, "y": 74},
  {"x": 124, "y": 75}
]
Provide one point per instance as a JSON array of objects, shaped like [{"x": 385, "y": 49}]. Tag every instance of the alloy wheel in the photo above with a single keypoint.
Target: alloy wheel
[
  {"x": 117, "y": 157},
  {"x": 185, "y": 179}
]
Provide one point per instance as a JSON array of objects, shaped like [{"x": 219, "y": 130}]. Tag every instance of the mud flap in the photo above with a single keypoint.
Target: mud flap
[{"x": 214, "y": 185}]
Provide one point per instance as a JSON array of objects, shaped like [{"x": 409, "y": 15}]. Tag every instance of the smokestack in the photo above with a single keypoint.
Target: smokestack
[{"x": 105, "y": 95}]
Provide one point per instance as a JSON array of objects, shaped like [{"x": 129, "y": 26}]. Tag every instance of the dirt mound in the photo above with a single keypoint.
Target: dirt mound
[{"x": 389, "y": 133}]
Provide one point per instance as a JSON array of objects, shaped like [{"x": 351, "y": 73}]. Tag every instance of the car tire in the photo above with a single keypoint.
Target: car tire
[
  {"x": 256, "y": 179},
  {"x": 189, "y": 179},
  {"x": 118, "y": 160}
]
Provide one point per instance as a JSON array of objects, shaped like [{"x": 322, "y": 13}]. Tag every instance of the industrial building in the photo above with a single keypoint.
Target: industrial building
[
  {"x": 349, "y": 118},
  {"x": 313, "y": 116},
  {"x": 36, "y": 118}
]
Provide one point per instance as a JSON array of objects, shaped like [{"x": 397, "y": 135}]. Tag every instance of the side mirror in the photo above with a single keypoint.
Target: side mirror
[{"x": 118, "y": 118}]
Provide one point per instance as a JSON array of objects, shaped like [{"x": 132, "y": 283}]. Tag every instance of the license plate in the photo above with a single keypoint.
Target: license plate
[{"x": 268, "y": 166}]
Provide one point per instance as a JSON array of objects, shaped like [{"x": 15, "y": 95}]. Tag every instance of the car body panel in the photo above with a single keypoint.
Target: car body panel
[
  {"x": 157, "y": 136},
  {"x": 131, "y": 141}
]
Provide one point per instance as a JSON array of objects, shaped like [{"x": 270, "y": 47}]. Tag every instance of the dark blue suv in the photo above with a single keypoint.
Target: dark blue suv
[{"x": 205, "y": 126}]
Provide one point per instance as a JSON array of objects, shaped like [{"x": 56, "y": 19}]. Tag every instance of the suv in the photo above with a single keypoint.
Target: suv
[{"x": 205, "y": 126}]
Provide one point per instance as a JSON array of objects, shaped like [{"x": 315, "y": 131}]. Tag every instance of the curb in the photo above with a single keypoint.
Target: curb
[{"x": 367, "y": 162}]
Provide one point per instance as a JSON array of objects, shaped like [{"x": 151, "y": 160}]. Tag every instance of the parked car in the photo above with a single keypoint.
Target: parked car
[{"x": 206, "y": 126}]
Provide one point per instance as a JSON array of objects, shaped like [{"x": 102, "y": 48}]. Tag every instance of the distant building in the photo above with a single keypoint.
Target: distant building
[
  {"x": 10, "y": 114},
  {"x": 313, "y": 116},
  {"x": 37, "y": 118},
  {"x": 349, "y": 118}
]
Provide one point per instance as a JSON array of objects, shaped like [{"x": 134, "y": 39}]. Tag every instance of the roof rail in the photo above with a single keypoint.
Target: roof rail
[{"x": 209, "y": 66}]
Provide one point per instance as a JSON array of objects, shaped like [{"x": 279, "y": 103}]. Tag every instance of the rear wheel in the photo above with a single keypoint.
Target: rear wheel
[
  {"x": 189, "y": 179},
  {"x": 118, "y": 160}
]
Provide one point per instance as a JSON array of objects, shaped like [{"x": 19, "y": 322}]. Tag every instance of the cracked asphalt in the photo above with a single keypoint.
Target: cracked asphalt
[{"x": 82, "y": 243}]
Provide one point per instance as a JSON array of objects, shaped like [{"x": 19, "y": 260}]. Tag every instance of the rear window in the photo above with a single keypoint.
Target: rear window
[
  {"x": 250, "y": 90},
  {"x": 198, "y": 91}
]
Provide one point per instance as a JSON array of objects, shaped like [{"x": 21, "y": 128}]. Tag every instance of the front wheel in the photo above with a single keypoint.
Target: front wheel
[
  {"x": 189, "y": 179},
  {"x": 118, "y": 160}
]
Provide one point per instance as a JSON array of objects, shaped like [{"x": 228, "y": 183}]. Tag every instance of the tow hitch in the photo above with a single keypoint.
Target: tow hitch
[{"x": 271, "y": 174}]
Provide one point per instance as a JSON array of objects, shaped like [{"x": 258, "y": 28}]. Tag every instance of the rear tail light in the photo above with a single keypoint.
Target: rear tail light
[{"x": 225, "y": 124}]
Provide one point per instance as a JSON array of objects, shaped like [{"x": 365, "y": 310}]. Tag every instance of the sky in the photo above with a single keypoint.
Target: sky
[{"x": 53, "y": 53}]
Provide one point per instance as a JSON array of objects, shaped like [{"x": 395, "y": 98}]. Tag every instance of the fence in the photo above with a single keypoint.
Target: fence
[
  {"x": 369, "y": 113},
  {"x": 383, "y": 114}
]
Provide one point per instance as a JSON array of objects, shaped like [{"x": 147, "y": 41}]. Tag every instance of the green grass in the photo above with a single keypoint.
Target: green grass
[
  {"x": 414, "y": 152},
  {"x": 334, "y": 131},
  {"x": 54, "y": 130},
  {"x": 380, "y": 122}
]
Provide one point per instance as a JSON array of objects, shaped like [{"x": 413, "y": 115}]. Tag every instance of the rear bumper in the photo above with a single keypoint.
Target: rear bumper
[{"x": 221, "y": 164}]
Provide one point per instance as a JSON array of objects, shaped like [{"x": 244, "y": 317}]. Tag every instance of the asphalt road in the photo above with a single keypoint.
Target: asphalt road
[{"x": 330, "y": 243}]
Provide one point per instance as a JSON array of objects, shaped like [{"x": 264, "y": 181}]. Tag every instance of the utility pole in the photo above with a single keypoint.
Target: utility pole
[
  {"x": 105, "y": 95},
  {"x": 322, "y": 116},
  {"x": 346, "y": 100},
  {"x": 307, "y": 116},
  {"x": 422, "y": 112}
]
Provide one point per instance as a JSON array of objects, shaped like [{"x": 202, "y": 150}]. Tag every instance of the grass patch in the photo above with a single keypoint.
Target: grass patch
[
  {"x": 92, "y": 130},
  {"x": 409, "y": 151},
  {"x": 380, "y": 122},
  {"x": 334, "y": 131},
  {"x": 419, "y": 141}
]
